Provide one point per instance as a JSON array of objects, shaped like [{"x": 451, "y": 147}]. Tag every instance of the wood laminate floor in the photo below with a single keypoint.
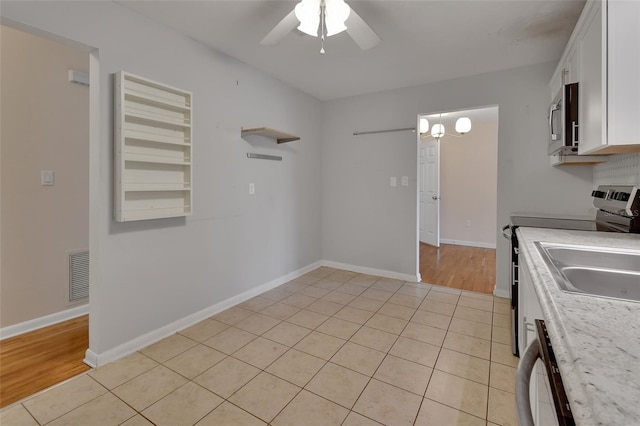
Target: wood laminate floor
[
  {"x": 461, "y": 267},
  {"x": 36, "y": 360}
]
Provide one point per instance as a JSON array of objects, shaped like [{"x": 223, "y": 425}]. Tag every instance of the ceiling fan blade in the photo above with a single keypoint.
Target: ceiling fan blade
[
  {"x": 283, "y": 28},
  {"x": 360, "y": 32}
]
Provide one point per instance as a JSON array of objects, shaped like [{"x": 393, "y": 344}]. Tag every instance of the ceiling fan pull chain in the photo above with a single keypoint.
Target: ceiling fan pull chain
[{"x": 322, "y": 31}]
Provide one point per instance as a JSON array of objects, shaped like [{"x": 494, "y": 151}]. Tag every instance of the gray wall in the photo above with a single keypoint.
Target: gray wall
[
  {"x": 367, "y": 223},
  {"x": 153, "y": 273},
  {"x": 328, "y": 199}
]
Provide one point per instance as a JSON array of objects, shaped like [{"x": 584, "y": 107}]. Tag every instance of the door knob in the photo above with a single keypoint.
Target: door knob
[{"x": 434, "y": 197}]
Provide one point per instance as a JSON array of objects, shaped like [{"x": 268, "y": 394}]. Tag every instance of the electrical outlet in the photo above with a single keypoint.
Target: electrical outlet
[
  {"x": 252, "y": 189},
  {"x": 467, "y": 223},
  {"x": 405, "y": 180}
]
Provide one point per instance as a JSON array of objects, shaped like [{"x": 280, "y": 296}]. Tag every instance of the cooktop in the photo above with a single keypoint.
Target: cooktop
[{"x": 559, "y": 223}]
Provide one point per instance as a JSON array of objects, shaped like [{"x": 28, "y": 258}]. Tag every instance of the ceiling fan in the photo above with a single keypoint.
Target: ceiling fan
[{"x": 326, "y": 17}]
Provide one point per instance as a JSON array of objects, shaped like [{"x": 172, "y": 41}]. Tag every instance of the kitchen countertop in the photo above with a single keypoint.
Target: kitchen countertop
[{"x": 596, "y": 340}]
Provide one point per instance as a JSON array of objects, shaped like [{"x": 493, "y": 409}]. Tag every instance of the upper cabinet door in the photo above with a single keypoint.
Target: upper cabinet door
[
  {"x": 592, "y": 74},
  {"x": 609, "y": 66},
  {"x": 572, "y": 66},
  {"x": 623, "y": 44}
]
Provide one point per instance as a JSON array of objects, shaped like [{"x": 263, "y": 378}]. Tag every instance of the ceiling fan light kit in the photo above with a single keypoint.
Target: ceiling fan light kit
[
  {"x": 308, "y": 14},
  {"x": 324, "y": 18},
  {"x": 334, "y": 13}
]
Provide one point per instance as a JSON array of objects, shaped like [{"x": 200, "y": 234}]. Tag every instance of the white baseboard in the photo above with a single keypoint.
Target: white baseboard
[
  {"x": 499, "y": 292},
  {"x": 45, "y": 321},
  {"x": 94, "y": 359},
  {"x": 371, "y": 271},
  {"x": 468, "y": 243}
]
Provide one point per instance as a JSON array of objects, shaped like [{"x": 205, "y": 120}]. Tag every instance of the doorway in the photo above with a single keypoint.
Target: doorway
[
  {"x": 45, "y": 210},
  {"x": 457, "y": 197}
]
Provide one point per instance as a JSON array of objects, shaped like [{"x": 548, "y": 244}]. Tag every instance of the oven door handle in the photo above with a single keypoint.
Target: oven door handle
[
  {"x": 523, "y": 378},
  {"x": 506, "y": 234}
]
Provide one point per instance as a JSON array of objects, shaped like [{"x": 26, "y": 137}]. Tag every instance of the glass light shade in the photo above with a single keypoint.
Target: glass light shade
[
  {"x": 308, "y": 13},
  {"x": 336, "y": 13},
  {"x": 424, "y": 126},
  {"x": 463, "y": 125},
  {"x": 437, "y": 131}
]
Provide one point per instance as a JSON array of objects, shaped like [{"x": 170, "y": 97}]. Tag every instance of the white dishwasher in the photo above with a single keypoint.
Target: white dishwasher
[{"x": 538, "y": 371}]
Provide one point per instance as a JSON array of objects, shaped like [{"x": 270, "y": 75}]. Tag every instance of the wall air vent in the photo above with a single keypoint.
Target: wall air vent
[{"x": 78, "y": 275}]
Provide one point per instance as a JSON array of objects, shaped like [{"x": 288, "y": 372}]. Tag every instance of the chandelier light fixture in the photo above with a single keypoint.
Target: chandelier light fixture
[
  {"x": 463, "y": 125},
  {"x": 326, "y": 17}
]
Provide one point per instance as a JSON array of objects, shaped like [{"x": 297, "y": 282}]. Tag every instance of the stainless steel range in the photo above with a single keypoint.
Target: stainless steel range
[{"x": 618, "y": 211}]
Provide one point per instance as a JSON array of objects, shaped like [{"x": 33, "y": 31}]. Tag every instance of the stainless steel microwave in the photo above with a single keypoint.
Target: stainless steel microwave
[{"x": 563, "y": 121}]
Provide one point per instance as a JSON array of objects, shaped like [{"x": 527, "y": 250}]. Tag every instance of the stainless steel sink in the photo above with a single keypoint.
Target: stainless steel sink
[{"x": 594, "y": 271}]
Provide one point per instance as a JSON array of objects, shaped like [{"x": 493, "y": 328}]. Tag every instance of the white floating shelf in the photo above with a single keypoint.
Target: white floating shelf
[
  {"x": 278, "y": 135},
  {"x": 153, "y": 152}
]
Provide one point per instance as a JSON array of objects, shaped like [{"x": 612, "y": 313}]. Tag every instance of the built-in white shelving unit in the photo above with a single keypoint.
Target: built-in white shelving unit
[{"x": 153, "y": 150}]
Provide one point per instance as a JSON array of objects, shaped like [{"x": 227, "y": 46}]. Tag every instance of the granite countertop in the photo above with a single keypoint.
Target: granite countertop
[{"x": 596, "y": 340}]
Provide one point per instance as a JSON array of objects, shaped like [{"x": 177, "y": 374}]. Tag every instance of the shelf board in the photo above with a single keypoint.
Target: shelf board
[
  {"x": 157, "y": 159},
  {"x": 159, "y": 213},
  {"x": 156, "y": 187},
  {"x": 278, "y": 135},
  {"x": 155, "y": 100},
  {"x": 173, "y": 124},
  {"x": 135, "y": 134},
  {"x": 150, "y": 139}
]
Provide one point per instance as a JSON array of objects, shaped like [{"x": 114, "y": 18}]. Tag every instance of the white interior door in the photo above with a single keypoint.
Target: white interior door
[{"x": 430, "y": 192}]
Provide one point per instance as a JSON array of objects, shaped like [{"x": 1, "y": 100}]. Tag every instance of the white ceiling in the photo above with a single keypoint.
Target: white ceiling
[{"x": 422, "y": 41}]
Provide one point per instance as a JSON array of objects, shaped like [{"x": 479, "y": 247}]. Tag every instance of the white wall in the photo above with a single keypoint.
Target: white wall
[
  {"x": 153, "y": 273},
  {"x": 468, "y": 185},
  {"x": 367, "y": 223},
  {"x": 44, "y": 126}
]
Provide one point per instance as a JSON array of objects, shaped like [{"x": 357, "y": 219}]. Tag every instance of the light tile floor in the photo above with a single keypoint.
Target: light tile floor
[{"x": 331, "y": 347}]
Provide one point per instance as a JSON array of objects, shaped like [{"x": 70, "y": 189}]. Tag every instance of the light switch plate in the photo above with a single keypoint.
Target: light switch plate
[
  {"x": 46, "y": 177},
  {"x": 393, "y": 181},
  {"x": 252, "y": 189},
  {"x": 405, "y": 180}
]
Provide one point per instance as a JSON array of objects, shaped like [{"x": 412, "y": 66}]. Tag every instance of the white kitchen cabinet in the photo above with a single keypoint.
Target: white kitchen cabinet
[
  {"x": 603, "y": 57},
  {"x": 529, "y": 309},
  {"x": 152, "y": 150},
  {"x": 528, "y": 306},
  {"x": 592, "y": 87},
  {"x": 609, "y": 77},
  {"x": 572, "y": 65}
]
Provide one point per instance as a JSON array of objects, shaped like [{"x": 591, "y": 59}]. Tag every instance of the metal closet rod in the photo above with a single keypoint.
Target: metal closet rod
[{"x": 370, "y": 132}]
